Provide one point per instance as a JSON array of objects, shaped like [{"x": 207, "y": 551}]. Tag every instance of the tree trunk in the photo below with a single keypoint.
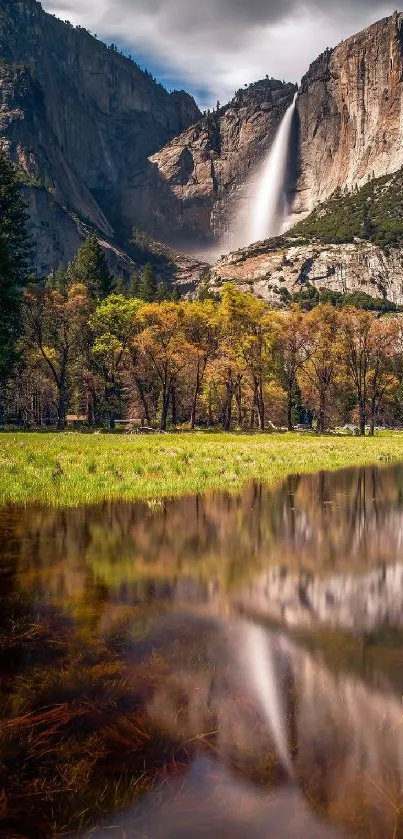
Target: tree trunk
[
  {"x": 140, "y": 391},
  {"x": 363, "y": 418},
  {"x": 109, "y": 395},
  {"x": 227, "y": 411},
  {"x": 210, "y": 411},
  {"x": 90, "y": 410},
  {"x": 239, "y": 405},
  {"x": 194, "y": 401},
  {"x": 174, "y": 406},
  {"x": 62, "y": 407},
  {"x": 321, "y": 416},
  {"x": 164, "y": 410},
  {"x": 260, "y": 407},
  {"x": 252, "y": 416},
  {"x": 372, "y": 420},
  {"x": 290, "y": 423}
]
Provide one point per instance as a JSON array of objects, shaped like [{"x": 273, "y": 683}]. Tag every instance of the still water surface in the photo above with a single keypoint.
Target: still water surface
[{"x": 224, "y": 666}]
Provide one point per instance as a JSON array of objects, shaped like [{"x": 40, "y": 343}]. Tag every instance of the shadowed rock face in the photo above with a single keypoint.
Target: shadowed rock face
[
  {"x": 79, "y": 118},
  {"x": 350, "y": 113}
]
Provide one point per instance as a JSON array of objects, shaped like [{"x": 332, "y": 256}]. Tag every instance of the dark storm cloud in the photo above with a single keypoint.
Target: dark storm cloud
[
  {"x": 219, "y": 45},
  {"x": 233, "y": 14}
]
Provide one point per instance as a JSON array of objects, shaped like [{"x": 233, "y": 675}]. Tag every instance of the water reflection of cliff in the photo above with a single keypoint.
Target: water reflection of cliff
[
  {"x": 267, "y": 733},
  {"x": 348, "y": 522},
  {"x": 343, "y": 767}
]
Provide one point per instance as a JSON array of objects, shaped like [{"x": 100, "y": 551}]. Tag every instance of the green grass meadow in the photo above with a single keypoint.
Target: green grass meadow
[{"x": 70, "y": 469}]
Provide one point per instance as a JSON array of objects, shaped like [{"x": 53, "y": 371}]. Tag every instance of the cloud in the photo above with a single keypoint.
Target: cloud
[{"x": 219, "y": 45}]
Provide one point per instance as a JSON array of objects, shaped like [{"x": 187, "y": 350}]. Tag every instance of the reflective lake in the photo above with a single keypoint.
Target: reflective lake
[{"x": 222, "y": 665}]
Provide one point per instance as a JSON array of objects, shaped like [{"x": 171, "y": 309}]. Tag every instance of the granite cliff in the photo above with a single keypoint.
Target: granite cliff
[
  {"x": 102, "y": 146},
  {"x": 350, "y": 114},
  {"x": 347, "y": 130},
  {"x": 80, "y": 120}
]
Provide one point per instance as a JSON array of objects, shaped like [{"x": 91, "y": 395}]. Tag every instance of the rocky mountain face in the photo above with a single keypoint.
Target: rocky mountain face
[
  {"x": 196, "y": 182},
  {"x": 80, "y": 120},
  {"x": 350, "y": 243},
  {"x": 347, "y": 130},
  {"x": 278, "y": 269},
  {"x": 350, "y": 114},
  {"x": 102, "y": 145}
]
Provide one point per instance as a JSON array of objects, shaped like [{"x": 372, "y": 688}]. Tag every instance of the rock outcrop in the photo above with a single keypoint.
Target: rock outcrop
[
  {"x": 350, "y": 113},
  {"x": 80, "y": 120},
  {"x": 278, "y": 269},
  {"x": 359, "y": 603}
]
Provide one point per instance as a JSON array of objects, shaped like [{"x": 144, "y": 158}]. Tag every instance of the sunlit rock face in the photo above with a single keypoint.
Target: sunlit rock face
[
  {"x": 350, "y": 113},
  {"x": 275, "y": 267},
  {"x": 347, "y": 130}
]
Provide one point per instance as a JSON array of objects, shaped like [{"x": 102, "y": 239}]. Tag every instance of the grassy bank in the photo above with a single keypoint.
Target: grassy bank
[{"x": 71, "y": 469}]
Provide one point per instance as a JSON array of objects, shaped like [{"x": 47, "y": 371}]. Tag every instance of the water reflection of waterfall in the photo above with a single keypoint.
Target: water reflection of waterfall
[
  {"x": 346, "y": 741},
  {"x": 260, "y": 663}
]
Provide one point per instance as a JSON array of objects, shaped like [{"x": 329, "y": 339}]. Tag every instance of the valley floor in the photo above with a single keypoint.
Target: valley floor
[{"x": 72, "y": 469}]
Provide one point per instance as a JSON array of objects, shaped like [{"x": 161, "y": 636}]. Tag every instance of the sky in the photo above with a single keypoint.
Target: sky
[{"x": 213, "y": 47}]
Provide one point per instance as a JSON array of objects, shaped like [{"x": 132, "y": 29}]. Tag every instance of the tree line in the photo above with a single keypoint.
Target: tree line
[
  {"x": 79, "y": 344},
  {"x": 231, "y": 362}
]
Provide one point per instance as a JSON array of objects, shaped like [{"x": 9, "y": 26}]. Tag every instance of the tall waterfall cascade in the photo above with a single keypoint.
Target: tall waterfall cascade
[
  {"x": 262, "y": 208},
  {"x": 269, "y": 203}
]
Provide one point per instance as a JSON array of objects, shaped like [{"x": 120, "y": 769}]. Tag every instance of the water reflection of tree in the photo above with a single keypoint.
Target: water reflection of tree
[{"x": 325, "y": 522}]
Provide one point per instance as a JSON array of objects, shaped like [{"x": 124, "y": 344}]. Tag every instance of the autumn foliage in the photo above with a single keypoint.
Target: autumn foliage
[{"x": 230, "y": 363}]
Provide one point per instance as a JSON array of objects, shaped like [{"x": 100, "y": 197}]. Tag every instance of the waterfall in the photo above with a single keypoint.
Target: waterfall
[
  {"x": 269, "y": 203},
  {"x": 265, "y": 677}
]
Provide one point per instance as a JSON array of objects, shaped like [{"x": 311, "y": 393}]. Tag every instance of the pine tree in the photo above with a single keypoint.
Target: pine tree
[
  {"x": 161, "y": 293},
  {"x": 121, "y": 287},
  {"x": 175, "y": 294},
  {"x": 58, "y": 280},
  {"x": 148, "y": 285},
  {"x": 134, "y": 286},
  {"x": 14, "y": 262},
  {"x": 13, "y": 221},
  {"x": 90, "y": 269},
  {"x": 10, "y": 302}
]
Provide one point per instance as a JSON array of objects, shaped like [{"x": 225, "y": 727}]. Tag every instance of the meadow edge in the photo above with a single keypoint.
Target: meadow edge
[{"x": 67, "y": 469}]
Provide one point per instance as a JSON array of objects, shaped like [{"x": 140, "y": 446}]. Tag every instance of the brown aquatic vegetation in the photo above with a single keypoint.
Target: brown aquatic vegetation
[{"x": 76, "y": 739}]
